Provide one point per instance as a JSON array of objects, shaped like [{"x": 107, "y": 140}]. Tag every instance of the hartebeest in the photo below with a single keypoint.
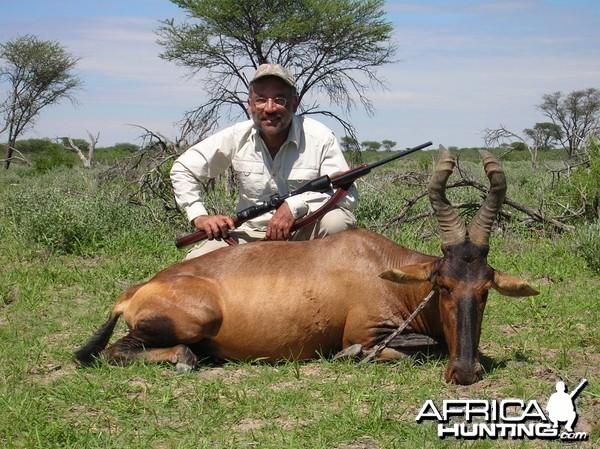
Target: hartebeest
[{"x": 294, "y": 300}]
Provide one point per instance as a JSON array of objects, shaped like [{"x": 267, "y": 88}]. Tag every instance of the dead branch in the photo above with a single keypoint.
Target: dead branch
[
  {"x": 147, "y": 170},
  {"x": 532, "y": 214},
  {"x": 493, "y": 138},
  {"x": 411, "y": 178},
  {"x": 568, "y": 168},
  {"x": 401, "y": 217},
  {"x": 86, "y": 160},
  {"x": 20, "y": 157}
]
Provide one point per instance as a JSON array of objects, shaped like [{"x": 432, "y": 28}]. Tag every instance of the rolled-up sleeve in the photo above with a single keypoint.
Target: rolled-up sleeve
[{"x": 201, "y": 162}]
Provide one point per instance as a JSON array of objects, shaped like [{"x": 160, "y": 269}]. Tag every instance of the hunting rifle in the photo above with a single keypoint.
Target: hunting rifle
[{"x": 322, "y": 184}]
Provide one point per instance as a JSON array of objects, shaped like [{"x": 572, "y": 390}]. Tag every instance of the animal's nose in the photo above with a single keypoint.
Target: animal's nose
[{"x": 464, "y": 374}]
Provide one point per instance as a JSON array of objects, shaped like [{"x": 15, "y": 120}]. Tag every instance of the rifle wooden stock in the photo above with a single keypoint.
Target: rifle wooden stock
[{"x": 197, "y": 236}]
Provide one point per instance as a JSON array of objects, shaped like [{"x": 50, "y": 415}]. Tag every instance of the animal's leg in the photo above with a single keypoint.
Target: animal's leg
[
  {"x": 164, "y": 321},
  {"x": 354, "y": 351},
  {"x": 131, "y": 348},
  {"x": 391, "y": 354},
  {"x": 411, "y": 341},
  {"x": 404, "y": 345}
]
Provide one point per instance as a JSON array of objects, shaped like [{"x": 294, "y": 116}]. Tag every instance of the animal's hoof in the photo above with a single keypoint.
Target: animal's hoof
[
  {"x": 354, "y": 351},
  {"x": 183, "y": 368},
  {"x": 184, "y": 359}
]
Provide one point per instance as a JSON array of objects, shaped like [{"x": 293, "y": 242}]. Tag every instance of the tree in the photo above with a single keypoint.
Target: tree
[
  {"x": 371, "y": 145},
  {"x": 349, "y": 143},
  {"x": 577, "y": 114},
  {"x": 352, "y": 149},
  {"x": 498, "y": 138},
  {"x": 38, "y": 74},
  {"x": 388, "y": 144},
  {"x": 544, "y": 134},
  {"x": 332, "y": 46}
]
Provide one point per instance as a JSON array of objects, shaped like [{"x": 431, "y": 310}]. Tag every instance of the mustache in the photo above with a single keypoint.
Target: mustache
[{"x": 269, "y": 115}]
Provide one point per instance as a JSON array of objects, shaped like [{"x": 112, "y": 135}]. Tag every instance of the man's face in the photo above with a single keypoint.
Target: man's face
[{"x": 272, "y": 105}]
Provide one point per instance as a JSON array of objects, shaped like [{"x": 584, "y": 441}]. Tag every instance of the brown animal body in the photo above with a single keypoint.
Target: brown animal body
[{"x": 295, "y": 300}]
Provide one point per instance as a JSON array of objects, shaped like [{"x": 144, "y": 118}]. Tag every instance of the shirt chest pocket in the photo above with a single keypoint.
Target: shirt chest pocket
[
  {"x": 245, "y": 168},
  {"x": 251, "y": 178},
  {"x": 300, "y": 176}
]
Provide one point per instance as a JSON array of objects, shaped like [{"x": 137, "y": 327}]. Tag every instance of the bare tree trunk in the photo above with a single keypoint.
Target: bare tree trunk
[
  {"x": 85, "y": 160},
  {"x": 9, "y": 153},
  {"x": 533, "y": 152}
]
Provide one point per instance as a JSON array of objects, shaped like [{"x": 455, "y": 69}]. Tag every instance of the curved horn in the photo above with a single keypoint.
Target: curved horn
[
  {"x": 481, "y": 225},
  {"x": 452, "y": 228}
]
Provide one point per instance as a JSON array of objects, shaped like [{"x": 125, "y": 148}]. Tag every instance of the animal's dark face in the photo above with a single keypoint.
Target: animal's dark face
[{"x": 463, "y": 279}]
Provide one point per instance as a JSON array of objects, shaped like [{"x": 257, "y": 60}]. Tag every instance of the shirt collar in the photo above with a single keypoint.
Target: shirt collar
[{"x": 294, "y": 135}]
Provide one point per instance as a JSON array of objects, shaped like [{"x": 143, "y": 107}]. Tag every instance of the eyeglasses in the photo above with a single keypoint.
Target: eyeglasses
[{"x": 261, "y": 102}]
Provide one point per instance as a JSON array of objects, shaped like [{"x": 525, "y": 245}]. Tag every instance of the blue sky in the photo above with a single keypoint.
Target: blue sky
[{"x": 463, "y": 66}]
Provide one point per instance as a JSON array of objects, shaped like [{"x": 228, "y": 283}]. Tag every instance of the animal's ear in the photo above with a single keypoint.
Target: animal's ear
[
  {"x": 508, "y": 285},
  {"x": 409, "y": 274}
]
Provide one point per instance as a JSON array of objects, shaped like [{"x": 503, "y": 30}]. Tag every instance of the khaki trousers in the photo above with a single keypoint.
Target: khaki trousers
[{"x": 334, "y": 221}]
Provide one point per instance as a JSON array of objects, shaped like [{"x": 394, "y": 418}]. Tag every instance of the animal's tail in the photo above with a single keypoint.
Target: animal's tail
[{"x": 88, "y": 353}]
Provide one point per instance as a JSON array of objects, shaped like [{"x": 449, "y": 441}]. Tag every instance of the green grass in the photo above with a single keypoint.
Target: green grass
[{"x": 52, "y": 298}]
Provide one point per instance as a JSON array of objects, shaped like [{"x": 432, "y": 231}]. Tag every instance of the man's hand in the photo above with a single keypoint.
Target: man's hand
[
  {"x": 214, "y": 225},
  {"x": 280, "y": 225}
]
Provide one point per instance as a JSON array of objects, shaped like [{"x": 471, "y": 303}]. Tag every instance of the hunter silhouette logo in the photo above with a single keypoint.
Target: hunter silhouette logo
[
  {"x": 508, "y": 418},
  {"x": 561, "y": 405}
]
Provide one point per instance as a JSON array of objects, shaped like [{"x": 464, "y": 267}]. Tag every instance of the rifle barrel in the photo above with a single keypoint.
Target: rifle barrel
[
  {"x": 355, "y": 173},
  {"x": 400, "y": 154},
  {"x": 578, "y": 389}
]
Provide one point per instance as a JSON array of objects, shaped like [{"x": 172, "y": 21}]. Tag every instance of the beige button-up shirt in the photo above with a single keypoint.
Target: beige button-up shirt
[{"x": 311, "y": 150}]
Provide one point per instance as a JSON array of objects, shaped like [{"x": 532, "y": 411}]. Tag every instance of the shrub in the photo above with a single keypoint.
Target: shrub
[
  {"x": 587, "y": 240},
  {"x": 379, "y": 202},
  {"x": 68, "y": 212},
  {"x": 581, "y": 190},
  {"x": 34, "y": 146},
  {"x": 115, "y": 153},
  {"x": 52, "y": 157}
]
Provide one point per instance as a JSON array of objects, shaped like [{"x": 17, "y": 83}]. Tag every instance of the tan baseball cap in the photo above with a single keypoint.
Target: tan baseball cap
[{"x": 274, "y": 70}]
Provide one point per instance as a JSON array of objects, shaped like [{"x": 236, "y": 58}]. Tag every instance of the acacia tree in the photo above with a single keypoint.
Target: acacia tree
[
  {"x": 38, "y": 74},
  {"x": 333, "y": 47},
  {"x": 577, "y": 114},
  {"x": 349, "y": 143},
  {"x": 371, "y": 145},
  {"x": 388, "y": 144},
  {"x": 544, "y": 134}
]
